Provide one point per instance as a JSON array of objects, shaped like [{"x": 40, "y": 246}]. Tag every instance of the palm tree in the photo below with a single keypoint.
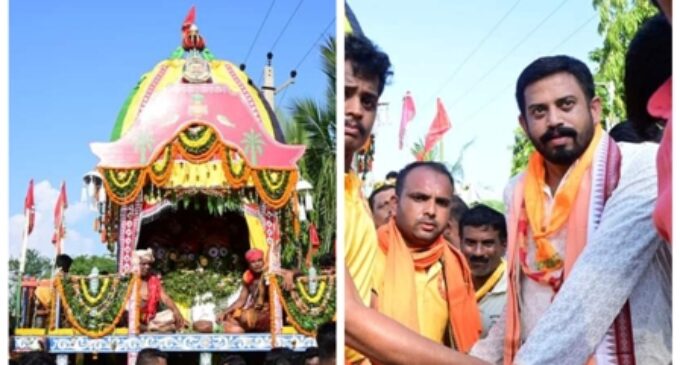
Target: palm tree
[{"x": 317, "y": 120}]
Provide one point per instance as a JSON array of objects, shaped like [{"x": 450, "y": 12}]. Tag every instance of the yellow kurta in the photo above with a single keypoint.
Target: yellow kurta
[
  {"x": 361, "y": 244},
  {"x": 361, "y": 240},
  {"x": 433, "y": 313}
]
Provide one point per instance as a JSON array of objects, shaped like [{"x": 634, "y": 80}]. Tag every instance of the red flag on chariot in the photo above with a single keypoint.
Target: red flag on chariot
[
  {"x": 29, "y": 208},
  {"x": 59, "y": 208}
]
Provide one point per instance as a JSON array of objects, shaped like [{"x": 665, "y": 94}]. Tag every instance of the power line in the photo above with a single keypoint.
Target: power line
[
  {"x": 286, "y": 26},
  {"x": 257, "y": 35},
  {"x": 474, "y": 51},
  {"x": 573, "y": 33},
  {"x": 323, "y": 32},
  {"x": 512, "y": 50},
  {"x": 502, "y": 91}
]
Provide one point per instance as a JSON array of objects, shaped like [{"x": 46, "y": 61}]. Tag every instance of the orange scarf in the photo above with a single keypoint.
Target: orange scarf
[
  {"x": 571, "y": 206},
  {"x": 398, "y": 299},
  {"x": 547, "y": 258}
]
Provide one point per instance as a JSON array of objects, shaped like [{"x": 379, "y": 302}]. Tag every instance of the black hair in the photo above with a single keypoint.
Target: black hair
[
  {"x": 368, "y": 62},
  {"x": 232, "y": 359},
  {"x": 458, "y": 207},
  {"x": 391, "y": 175},
  {"x": 548, "y": 66},
  {"x": 64, "y": 262},
  {"x": 648, "y": 66},
  {"x": 325, "y": 339},
  {"x": 482, "y": 215},
  {"x": 36, "y": 358},
  {"x": 432, "y": 165},
  {"x": 326, "y": 261},
  {"x": 375, "y": 192},
  {"x": 149, "y": 356},
  {"x": 311, "y": 352},
  {"x": 279, "y": 356},
  {"x": 626, "y": 132}
]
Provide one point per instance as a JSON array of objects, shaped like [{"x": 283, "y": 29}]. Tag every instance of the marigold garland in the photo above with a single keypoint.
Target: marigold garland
[
  {"x": 100, "y": 294},
  {"x": 306, "y": 319},
  {"x": 319, "y": 292},
  {"x": 274, "y": 186},
  {"x": 68, "y": 309}
]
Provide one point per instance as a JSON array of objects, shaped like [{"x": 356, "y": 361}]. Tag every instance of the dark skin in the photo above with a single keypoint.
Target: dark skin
[
  {"x": 553, "y": 103},
  {"x": 361, "y": 105},
  {"x": 256, "y": 267},
  {"x": 145, "y": 272}
]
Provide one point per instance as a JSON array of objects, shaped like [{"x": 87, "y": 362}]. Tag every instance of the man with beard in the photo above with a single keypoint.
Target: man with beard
[
  {"x": 422, "y": 282},
  {"x": 152, "y": 295},
  {"x": 483, "y": 238},
  {"x": 588, "y": 277},
  {"x": 250, "y": 312},
  {"x": 375, "y": 335}
]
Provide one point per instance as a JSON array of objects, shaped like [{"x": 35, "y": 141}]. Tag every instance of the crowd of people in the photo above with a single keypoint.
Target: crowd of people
[{"x": 575, "y": 270}]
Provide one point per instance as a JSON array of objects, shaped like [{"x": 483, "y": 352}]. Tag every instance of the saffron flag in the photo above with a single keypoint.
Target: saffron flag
[
  {"x": 29, "y": 208},
  {"x": 59, "y": 208},
  {"x": 408, "y": 111},
  {"x": 439, "y": 126}
]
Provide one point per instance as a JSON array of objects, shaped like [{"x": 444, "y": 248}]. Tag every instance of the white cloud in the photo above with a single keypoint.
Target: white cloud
[{"x": 79, "y": 240}]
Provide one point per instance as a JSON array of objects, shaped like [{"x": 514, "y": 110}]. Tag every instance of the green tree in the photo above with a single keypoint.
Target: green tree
[
  {"x": 317, "y": 120},
  {"x": 520, "y": 152},
  {"x": 619, "y": 21},
  {"x": 37, "y": 266},
  {"x": 82, "y": 265}
]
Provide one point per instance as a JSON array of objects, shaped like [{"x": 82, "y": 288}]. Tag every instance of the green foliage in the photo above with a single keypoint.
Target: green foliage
[
  {"x": 314, "y": 125},
  {"x": 619, "y": 21},
  {"x": 183, "y": 285},
  {"x": 37, "y": 265},
  {"x": 100, "y": 314},
  {"x": 82, "y": 265},
  {"x": 495, "y": 204},
  {"x": 521, "y": 151}
]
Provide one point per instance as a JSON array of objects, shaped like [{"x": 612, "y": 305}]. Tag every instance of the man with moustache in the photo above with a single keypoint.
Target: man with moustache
[
  {"x": 483, "y": 238},
  {"x": 375, "y": 335},
  {"x": 422, "y": 282},
  {"x": 588, "y": 277}
]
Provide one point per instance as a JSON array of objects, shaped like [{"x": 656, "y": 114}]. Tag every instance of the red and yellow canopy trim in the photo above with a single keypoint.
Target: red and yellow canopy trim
[{"x": 206, "y": 129}]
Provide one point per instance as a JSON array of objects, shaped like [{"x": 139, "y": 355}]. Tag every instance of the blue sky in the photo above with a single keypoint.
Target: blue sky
[
  {"x": 447, "y": 49},
  {"x": 72, "y": 64}
]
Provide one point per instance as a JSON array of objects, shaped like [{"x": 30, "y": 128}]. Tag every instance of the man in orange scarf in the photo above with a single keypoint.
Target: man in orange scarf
[
  {"x": 422, "y": 281},
  {"x": 376, "y": 336},
  {"x": 588, "y": 277}
]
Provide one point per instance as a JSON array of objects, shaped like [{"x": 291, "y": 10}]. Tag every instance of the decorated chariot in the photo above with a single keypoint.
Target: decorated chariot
[{"x": 198, "y": 171}]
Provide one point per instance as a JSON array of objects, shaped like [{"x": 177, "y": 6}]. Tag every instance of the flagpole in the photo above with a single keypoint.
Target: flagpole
[{"x": 22, "y": 263}]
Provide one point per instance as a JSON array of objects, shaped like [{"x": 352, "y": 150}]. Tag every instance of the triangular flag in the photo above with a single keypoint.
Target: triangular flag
[
  {"x": 29, "y": 208},
  {"x": 59, "y": 208},
  {"x": 190, "y": 19},
  {"x": 408, "y": 111},
  {"x": 439, "y": 126}
]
